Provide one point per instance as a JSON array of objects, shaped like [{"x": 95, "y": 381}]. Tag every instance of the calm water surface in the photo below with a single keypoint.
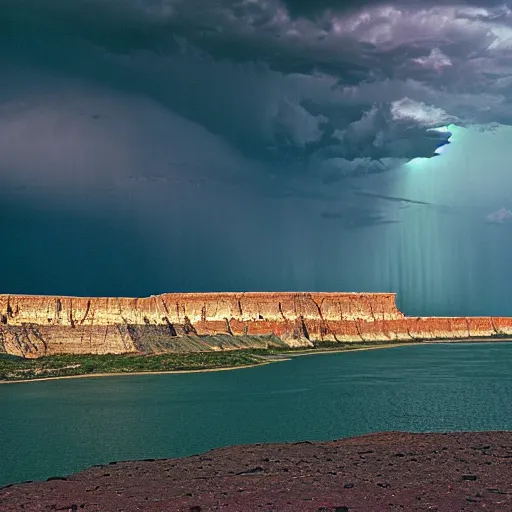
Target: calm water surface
[{"x": 57, "y": 427}]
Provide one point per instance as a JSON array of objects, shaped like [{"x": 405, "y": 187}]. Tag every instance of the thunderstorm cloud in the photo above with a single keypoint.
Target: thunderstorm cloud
[{"x": 282, "y": 83}]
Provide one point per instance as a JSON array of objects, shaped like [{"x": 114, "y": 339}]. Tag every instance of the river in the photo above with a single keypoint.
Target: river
[{"x": 53, "y": 428}]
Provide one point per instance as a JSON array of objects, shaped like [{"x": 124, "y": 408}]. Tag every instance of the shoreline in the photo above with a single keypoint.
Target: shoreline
[
  {"x": 122, "y": 374},
  {"x": 312, "y": 352},
  {"x": 264, "y": 359}
]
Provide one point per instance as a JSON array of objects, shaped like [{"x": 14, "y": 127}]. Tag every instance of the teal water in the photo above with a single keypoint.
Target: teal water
[{"x": 57, "y": 427}]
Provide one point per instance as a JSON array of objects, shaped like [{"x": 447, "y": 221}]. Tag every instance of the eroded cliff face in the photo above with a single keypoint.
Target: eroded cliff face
[{"x": 32, "y": 326}]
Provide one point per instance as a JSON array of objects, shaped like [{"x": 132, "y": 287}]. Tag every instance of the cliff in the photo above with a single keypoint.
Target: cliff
[{"x": 33, "y": 326}]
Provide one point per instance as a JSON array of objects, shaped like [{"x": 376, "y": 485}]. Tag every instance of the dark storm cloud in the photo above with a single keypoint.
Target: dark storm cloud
[
  {"x": 357, "y": 218},
  {"x": 313, "y": 8},
  {"x": 333, "y": 92},
  {"x": 391, "y": 198}
]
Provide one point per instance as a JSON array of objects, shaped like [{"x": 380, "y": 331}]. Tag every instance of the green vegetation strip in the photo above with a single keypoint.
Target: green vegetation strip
[
  {"x": 14, "y": 368},
  {"x": 17, "y": 368}
]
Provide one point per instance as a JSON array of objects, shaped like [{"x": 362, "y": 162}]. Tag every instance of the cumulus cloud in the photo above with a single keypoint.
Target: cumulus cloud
[
  {"x": 435, "y": 60},
  {"x": 418, "y": 112},
  {"x": 500, "y": 216}
]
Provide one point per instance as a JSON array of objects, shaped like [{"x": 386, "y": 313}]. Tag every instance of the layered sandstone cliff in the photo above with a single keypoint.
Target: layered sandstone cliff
[{"x": 33, "y": 326}]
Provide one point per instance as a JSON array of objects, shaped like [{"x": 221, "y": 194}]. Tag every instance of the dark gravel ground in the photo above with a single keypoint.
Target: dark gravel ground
[{"x": 379, "y": 472}]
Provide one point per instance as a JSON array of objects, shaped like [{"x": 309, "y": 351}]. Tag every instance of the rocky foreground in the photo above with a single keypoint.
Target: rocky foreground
[
  {"x": 373, "y": 473},
  {"x": 37, "y": 326}
]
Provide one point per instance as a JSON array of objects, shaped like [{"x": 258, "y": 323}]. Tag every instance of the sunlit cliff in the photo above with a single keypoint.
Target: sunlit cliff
[{"x": 33, "y": 326}]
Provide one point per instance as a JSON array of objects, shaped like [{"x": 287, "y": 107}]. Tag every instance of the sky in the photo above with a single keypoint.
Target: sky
[{"x": 151, "y": 146}]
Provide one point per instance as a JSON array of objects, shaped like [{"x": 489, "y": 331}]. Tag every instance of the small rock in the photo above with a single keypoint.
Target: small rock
[
  {"x": 469, "y": 477},
  {"x": 348, "y": 486},
  {"x": 257, "y": 469}
]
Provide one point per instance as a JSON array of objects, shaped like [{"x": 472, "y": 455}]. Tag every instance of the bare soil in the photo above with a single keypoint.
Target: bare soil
[{"x": 379, "y": 472}]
